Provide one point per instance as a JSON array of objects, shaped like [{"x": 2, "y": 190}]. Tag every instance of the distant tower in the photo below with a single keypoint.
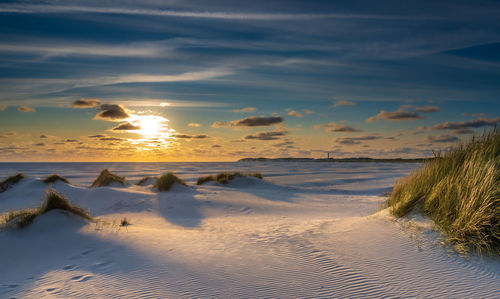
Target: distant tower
[{"x": 328, "y": 153}]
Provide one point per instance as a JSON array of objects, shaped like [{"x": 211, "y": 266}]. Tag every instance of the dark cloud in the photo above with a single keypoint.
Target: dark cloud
[
  {"x": 462, "y": 131},
  {"x": 247, "y": 109},
  {"x": 398, "y": 115},
  {"x": 25, "y": 109},
  {"x": 185, "y": 136},
  {"x": 253, "y": 121},
  {"x": 427, "y": 109},
  {"x": 333, "y": 127},
  {"x": 442, "y": 138},
  {"x": 97, "y": 136},
  {"x": 357, "y": 140},
  {"x": 267, "y": 135},
  {"x": 71, "y": 140},
  {"x": 343, "y": 103},
  {"x": 216, "y": 146},
  {"x": 39, "y": 144},
  {"x": 112, "y": 112},
  {"x": 43, "y": 136},
  {"x": 86, "y": 103},
  {"x": 286, "y": 143},
  {"x": 111, "y": 139},
  {"x": 477, "y": 123},
  {"x": 126, "y": 126}
]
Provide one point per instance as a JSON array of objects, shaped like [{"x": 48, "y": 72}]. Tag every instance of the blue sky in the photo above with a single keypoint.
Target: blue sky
[{"x": 327, "y": 68}]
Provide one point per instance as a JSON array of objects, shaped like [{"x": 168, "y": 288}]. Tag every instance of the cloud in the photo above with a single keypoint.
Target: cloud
[
  {"x": 25, "y": 109},
  {"x": 267, "y": 135},
  {"x": 216, "y": 146},
  {"x": 112, "y": 112},
  {"x": 111, "y": 139},
  {"x": 294, "y": 113},
  {"x": 463, "y": 131},
  {"x": 477, "y": 123},
  {"x": 97, "y": 136},
  {"x": 343, "y": 103},
  {"x": 306, "y": 111},
  {"x": 286, "y": 143},
  {"x": 333, "y": 127},
  {"x": 62, "y": 9},
  {"x": 356, "y": 140},
  {"x": 194, "y": 125},
  {"x": 427, "y": 109},
  {"x": 43, "y": 136},
  {"x": 3, "y": 107},
  {"x": 442, "y": 138},
  {"x": 398, "y": 115},
  {"x": 86, "y": 103},
  {"x": 253, "y": 121},
  {"x": 247, "y": 109},
  {"x": 39, "y": 144},
  {"x": 185, "y": 136},
  {"x": 71, "y": 140},
  {"x": 126, "y": 126}
]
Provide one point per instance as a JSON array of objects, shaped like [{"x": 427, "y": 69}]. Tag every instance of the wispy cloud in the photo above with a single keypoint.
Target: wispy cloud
[
  {"x": 292, "y": 112},
  {"x": 185, "y": 136},
  {"x": 343, "y": 103},
  {"x": 194, "y": 125},
  {"x": 43, "y": 9},
  {"x": 477, "y": 123},
  {"x": 398, "y": 115},
  {"x": 333, "y": 127},
  {"x": 25, "y": 109},
  {"x": 86, "y": 103},
  {"x": 247, "y": 109},
  {"x": 267, "y": 135},
  {"x": 253, "y": 121},
  {"x": 444, "y": 138},
  {"x": 357, "y": 140},
  {"x": 427, "y": 109}
]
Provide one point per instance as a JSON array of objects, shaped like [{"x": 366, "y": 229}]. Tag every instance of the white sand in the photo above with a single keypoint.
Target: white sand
[{"x": 312, "y": 232}]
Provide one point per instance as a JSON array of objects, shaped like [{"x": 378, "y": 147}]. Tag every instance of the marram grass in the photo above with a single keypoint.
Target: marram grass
[
  {"x": 106, "y": 178},
  {"x": 54, "y": 178},
  {"x": 166, "y": 181},
  {"x": 225, "y": 177},
  {"x": 53, "y": 201},
  {"x": 11, "y": 181},
  {"x": 460, "y": 191}
]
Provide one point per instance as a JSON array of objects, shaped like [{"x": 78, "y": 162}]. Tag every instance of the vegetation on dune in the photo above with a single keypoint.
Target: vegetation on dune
[
  {"x": 460, "y": 191},
  {"x": 53, "y": 201},
  {"x": 166, "y": 181},
  {"x": 225, "y": 177},
  {"x": 106, "y": 178},
  {"x": 11, "y": 181},
  {"x": 144, "y": 180},
  {"x": 54, "y": 178}
]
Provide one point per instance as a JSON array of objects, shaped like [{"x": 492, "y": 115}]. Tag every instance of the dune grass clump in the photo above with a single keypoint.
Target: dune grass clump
[
  {"x": 225, "y": 177},
  {"x": 460, "y": 191},
  {"x": 166, "y": 181},
  {"x": 11, "y": 181},
  {"x": 53, "y": 201},
  {"x": 54, "y": 178},
  {"x": 106, "y": 178},
  {"x": 144, "y": 180}
]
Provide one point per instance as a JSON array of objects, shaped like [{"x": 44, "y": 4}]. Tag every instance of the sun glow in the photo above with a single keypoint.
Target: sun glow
[{"x": 153, "y": 129}]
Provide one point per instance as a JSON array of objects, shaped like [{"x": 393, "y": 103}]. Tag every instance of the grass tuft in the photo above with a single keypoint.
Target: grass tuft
[
  {"x": 106, "y": 178},
  {"x": 225, "y": 177},
  {"x": 53, "y": 201},
  {"x": 460, "y": 191},
  {"x": 144, "y": 180},
  {"x": 54, "y": 178},
  {"x": 124, "y": 222},
  {"x": 167, "y": 180},
  {"x": 10, "y": 182}
]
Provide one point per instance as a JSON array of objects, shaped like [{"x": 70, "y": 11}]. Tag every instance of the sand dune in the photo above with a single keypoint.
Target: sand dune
[{"x": 314, "y": 232}]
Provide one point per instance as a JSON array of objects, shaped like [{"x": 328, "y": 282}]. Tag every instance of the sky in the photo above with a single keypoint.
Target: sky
[{"x": 222, "y": 80}]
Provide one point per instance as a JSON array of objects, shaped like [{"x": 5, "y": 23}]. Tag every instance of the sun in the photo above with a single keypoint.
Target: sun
[{"x": 150, "y": 126}]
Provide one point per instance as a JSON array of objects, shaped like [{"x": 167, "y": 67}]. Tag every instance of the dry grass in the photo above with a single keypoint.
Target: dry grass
[
  {"x": 53, "y": 201},
  {"x": 225, "y": 177},
  {"x": 106, "y": 178},
  {"x": 144, "y": 180},
  {"x": 166, "y": 181},
  {"x": 11, "y": 181},
  {"x": 54, "y": 178},
  {"x": 460, "y": 191}
]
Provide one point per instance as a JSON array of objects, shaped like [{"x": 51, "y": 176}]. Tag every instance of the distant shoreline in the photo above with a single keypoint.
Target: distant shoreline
[{"x": 360, "y": 159}]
